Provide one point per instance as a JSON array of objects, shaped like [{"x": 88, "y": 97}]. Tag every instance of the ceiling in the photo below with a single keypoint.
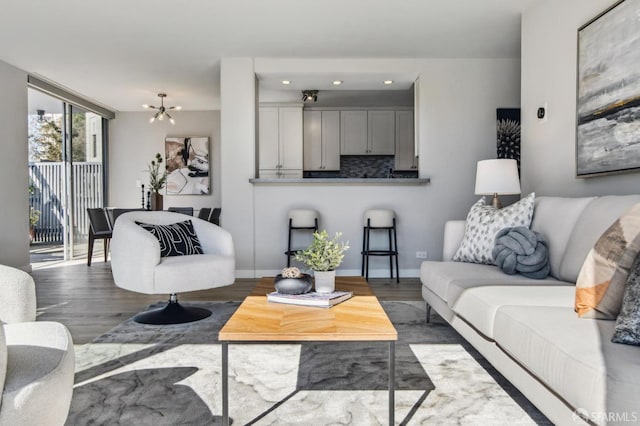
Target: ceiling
[{"x": 121, "y": 53}]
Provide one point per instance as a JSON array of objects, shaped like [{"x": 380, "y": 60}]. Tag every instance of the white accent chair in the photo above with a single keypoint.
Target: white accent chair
[
  {"x": 137, "y": 266},
  {"x": 37, "y": 359}
]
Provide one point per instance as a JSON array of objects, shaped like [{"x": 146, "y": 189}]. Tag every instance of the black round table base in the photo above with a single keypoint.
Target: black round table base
[{"x": 173, "y": 313}]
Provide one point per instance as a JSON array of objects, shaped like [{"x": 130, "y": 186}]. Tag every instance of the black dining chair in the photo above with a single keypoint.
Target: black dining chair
[
  {"x": 99, "y": 229},
  {"x": 114, "y": 213},
  {"x": 204, "y": 213},
  {"x": 183, "y": 210},
  {"x": 215, "y": 216}
]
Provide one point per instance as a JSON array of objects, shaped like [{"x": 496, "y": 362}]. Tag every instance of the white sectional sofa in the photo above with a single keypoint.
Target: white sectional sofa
[{"x": 567, "y": 366}]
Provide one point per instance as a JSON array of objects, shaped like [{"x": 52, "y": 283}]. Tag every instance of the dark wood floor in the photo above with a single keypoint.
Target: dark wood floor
[{"x": 86, "y": 300}]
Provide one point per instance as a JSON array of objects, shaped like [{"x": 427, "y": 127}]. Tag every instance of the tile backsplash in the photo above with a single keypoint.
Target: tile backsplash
[
  {"x": 366, "y": 166},
  {"x": 363, "y": 166}
]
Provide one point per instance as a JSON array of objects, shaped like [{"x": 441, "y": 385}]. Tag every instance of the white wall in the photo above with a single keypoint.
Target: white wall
[
  {"x": 458, "y": 101},
  {"x": 238, "y": 135},
  {"x": 133, "y": 143},
  {"x": 549, "y": 55},
  {"x": 14, "y": 176}
]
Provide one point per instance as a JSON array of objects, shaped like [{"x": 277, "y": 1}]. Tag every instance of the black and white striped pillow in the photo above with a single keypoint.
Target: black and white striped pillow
[{"x": 176, "y": 239}]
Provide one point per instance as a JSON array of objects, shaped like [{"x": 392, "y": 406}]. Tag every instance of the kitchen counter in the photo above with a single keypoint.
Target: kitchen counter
[{"x": 342, "y": 181}]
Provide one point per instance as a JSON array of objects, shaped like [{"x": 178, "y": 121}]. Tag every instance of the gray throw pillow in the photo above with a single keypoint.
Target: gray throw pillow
[
  {"x": 482, "y": 226},
  {"x": 627, "y": 328}
]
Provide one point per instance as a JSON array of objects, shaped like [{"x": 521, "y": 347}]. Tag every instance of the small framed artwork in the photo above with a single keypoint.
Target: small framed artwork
[
  {"x": 508, "y": 133},
  {"x": 187, "y": 165},
  {"x": 608, "y": 92}
]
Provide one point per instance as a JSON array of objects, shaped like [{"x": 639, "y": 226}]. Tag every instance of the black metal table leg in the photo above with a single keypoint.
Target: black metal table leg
[
  {"x": 225, "y": 384},
  {"x": 392, "y": 382}
]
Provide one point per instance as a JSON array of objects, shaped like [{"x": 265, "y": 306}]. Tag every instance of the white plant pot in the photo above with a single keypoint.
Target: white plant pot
[{"x": 325, "y": 281}]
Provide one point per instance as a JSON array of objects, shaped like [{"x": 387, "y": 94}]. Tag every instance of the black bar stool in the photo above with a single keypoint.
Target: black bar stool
[
  {"x": 300, "y": 219},
  {"x": 380, "y": 219}
]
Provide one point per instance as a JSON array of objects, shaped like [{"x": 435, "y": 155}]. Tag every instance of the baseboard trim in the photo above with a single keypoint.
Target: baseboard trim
[{"x": 373, "y": 273}]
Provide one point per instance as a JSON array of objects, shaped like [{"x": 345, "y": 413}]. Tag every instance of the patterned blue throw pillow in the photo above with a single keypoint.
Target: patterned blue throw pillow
[{"x": 176, "y": 239}]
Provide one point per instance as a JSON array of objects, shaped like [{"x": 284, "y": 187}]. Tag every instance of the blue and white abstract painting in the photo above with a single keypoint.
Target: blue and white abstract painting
[{"x": 608, "y": 103}]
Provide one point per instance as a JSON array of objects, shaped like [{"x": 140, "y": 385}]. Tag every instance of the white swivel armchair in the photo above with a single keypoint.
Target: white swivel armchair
[
  {"x": 137, "y": 265},
  {"x": 36, "y": 358}
]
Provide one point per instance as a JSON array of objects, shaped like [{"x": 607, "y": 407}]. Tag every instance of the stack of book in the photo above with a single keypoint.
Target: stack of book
[{"x": 323, "y": 300}]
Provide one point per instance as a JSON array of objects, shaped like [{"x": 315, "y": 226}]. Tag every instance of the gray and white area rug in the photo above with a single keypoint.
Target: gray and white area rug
[{"x": 171, "y": 375}]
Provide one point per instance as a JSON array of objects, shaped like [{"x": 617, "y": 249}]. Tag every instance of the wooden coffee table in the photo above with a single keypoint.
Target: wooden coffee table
[{"x": 360, "y": 318}]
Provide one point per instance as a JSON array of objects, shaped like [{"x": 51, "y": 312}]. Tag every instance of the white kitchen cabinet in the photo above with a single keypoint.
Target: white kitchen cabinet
[
  {"x": 381, "y": 132},
  {"x": 353, "y": 133},
  {"x": 331, "y": 139},
  {"x": 312, "y": 145},
  {"x": 280, "y": 141},
  {"x": 280, "y": 174},
  {"x": 268, "y": 138},
  {"x": 369, "y": 132},
  {"x": 321, "y": 140},
  {"x": 290, "y": 149},
  {"x": 405, "y": 158}
]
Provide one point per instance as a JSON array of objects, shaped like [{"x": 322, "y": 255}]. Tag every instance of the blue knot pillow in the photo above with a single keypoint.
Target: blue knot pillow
[{"x": 521, "y": 250}]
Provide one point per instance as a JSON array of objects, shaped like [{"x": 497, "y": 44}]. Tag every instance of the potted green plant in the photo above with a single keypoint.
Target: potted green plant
[
  {"x": 34, "y": 214},
  {"x": 34, "y": 217},
  {"x": 157, "y": 180},
  {"x": 323, "y": 256}
]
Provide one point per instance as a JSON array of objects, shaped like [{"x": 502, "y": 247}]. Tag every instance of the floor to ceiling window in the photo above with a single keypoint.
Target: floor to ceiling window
[{"x": 67, "y": 152}]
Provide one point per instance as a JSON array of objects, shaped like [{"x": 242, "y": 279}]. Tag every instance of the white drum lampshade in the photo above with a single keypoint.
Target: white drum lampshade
[{"x": 497, "y": 177}]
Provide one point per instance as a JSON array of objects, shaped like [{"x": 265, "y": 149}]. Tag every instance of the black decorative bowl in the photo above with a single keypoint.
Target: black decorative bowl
[{"x": 293, "y": 285}]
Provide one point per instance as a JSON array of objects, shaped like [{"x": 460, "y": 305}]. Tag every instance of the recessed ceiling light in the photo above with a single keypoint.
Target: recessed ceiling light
[
  {"x": 337, "y": 82},
  {"x": 286, "y": 82},
  {"x": 388, "y": 82}
]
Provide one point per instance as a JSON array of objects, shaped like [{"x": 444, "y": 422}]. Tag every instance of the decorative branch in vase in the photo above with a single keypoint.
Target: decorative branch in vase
[
  {"x": 323, "y": 256},
  {"x": 157, "y": 179}
]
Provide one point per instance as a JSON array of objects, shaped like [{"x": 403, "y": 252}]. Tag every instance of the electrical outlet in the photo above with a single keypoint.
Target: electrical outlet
[{"x": 421, "y": 255}]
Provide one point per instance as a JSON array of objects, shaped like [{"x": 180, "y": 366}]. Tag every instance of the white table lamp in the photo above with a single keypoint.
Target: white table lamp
[{"x": 495, "y": 177}]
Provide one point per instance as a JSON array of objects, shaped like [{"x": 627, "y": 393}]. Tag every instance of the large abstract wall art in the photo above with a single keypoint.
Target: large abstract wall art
[
  {"x": 608, "y": 100},
  {"x": 187, "y": 165}
]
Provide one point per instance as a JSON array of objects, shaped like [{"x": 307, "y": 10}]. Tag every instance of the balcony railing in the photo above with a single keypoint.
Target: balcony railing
[{"x": 48, "y": 197}]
